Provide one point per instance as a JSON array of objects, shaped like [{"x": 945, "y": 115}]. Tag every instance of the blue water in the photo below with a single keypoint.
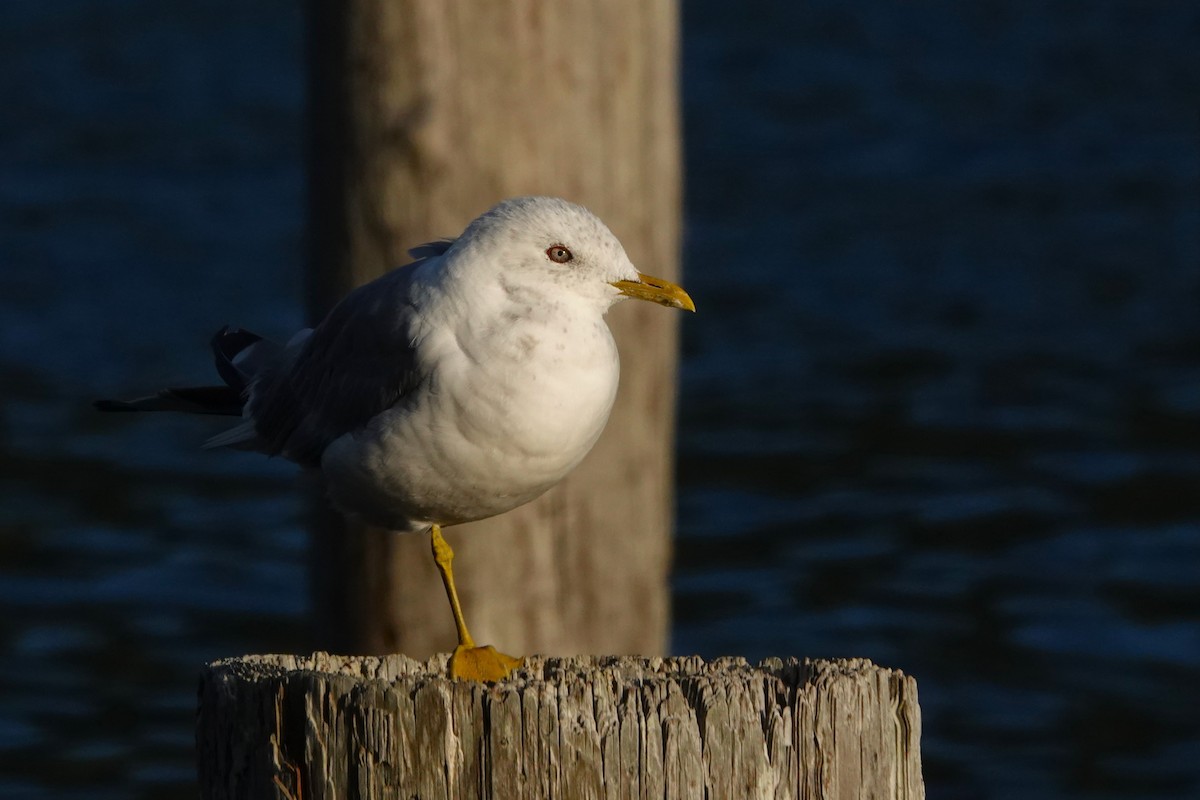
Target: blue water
[{"x": 942, "y": 408}]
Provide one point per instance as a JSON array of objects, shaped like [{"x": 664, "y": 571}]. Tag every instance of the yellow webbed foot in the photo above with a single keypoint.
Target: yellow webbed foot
[{"x": 481, "y": 664}]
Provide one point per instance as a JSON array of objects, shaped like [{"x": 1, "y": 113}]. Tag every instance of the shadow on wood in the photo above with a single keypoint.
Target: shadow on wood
[{"x": 324, "y": 726}]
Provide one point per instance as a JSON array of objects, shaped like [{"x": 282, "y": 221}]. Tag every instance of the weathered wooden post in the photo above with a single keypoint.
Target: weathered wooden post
[
  {"x": 422, "y": 114},
  {"x": 328, "y": 727}
]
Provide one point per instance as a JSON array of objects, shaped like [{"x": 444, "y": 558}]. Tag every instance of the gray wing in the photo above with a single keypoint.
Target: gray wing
[{"x": 356, "y": 364}]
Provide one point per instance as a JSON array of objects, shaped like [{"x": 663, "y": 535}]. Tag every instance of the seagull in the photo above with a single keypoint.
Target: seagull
[{"x": 452, "y": 389}]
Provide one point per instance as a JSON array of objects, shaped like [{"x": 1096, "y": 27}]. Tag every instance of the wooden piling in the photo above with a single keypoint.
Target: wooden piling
[
  {"x": 322, "y": 727},
  {"x": 422, "y": 114}
]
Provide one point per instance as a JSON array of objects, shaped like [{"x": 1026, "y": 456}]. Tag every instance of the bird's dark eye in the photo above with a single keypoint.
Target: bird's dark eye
[{"x": 559, "y": 254}]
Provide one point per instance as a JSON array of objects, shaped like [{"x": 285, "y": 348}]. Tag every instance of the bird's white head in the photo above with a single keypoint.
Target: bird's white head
[{"x": 544, "y": 246}]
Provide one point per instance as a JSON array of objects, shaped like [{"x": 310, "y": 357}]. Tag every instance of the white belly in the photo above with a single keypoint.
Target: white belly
[{"x": 497, "y": 425}]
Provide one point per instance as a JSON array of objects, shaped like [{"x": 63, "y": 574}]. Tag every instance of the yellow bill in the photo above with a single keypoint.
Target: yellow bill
[{"x": 656, "y": 290}]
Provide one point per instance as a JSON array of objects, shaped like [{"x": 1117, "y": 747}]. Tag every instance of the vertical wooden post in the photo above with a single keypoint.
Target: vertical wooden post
[
  {"x": 673, "y": 729},
  {"x": 423, "y": 113}
]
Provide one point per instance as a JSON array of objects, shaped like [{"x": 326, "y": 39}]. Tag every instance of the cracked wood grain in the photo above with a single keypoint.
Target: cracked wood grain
[{"x": 321, "y": 727}]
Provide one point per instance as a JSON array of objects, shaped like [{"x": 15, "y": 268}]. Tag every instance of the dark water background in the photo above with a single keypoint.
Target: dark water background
[{"x": 942, "y": 408}]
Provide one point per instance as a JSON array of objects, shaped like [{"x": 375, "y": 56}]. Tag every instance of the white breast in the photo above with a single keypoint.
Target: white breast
[{"x": 514, "y": 404}]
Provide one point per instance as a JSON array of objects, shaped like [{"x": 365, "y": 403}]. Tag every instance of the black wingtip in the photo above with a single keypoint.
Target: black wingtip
[
  {"x": 113, "y": 405},
  {"x": 226, "y": 344}
]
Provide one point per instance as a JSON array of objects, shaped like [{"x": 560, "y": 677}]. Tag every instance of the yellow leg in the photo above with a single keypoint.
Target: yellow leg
[{"x": 468, "y": 662}]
